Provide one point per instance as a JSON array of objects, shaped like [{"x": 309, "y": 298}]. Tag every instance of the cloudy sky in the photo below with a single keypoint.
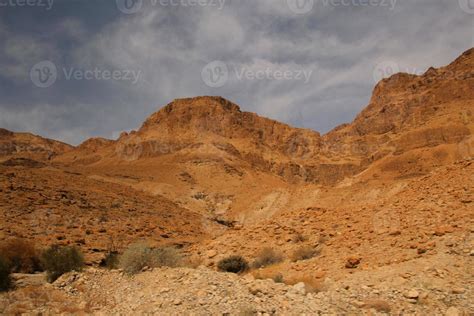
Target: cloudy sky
[{"x": 73, "y": 69}]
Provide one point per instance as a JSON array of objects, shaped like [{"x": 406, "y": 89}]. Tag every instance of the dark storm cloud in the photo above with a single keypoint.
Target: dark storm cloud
[{"x": 98, "y": 51}]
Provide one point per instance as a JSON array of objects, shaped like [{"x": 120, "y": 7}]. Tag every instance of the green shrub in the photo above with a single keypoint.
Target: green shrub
[
  {"x": 5, "y": 280},
  {"x": 57, "y": 260},
  {"x": 305, "y": 253},
  {"x": 267, "y": 257},
  {"x": 21, "y": 256},
  {"x": 139, "y": 256},
  {"x": 234, "y": 264}
]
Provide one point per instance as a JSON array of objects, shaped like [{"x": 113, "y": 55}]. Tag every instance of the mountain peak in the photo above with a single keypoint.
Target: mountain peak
[
  {"x": 206, "y": 101},
  {"x": 188, "y": 108}
]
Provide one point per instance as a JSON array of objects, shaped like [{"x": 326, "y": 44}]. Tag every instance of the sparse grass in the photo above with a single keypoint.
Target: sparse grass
[
  {"x": 300, "y": 238},
  {"x": 21, "y": 256},
  {"x": 57, "y": 260},
  {"x": 305, "y": 253},
  {"x": 139, "y": 256},
  {"x": 267, "y": 257},
  {"x": 233, "y": 264},
  {"x": 5, "y": 280}
]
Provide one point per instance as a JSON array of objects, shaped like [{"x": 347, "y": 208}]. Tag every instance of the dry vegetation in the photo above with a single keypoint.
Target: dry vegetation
[
  {"x": 139, "y": 256},
  {"x": 21, "y": 255}
]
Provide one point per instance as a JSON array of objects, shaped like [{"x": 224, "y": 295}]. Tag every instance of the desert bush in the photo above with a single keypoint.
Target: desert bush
[
  {"x": 57, "y": 260},
  {"x": 305, "y": 253},
  {"x": 139, "y": 256},
  {"x": 167, "y": 257},
  {"x": 111, "y": 260},
  {"x": 21, "y": 256},
  {"x": 5, "y": 280},
  {"x": 234, "y": 264},
  {"x": 278, "y": 278},
  {"x": 267, "y": 257}
]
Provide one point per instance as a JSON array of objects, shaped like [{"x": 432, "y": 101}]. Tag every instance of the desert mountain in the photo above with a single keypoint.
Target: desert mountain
[
  {"x": 210, "y": 156},
  {"x": 233, "y": 167}
]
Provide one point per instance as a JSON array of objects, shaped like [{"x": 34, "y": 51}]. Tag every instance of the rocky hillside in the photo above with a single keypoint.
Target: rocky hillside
[
  {"x": 26, "y": 145},
  {"x": 52, "y": 206}
]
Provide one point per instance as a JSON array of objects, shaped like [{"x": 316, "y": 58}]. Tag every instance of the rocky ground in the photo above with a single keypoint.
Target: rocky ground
[{"x": 439, "y": 285}]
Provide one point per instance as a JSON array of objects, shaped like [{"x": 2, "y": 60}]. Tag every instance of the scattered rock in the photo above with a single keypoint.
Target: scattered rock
[
  {"x": 412, "y": 294},
  {"x": 353, "y": 262},
  {"x": 211, "y": 253},
  {"x": 453, "y": 311},
  {"x": 458, "y": 290},
  {"x": 300, "y": 288}
]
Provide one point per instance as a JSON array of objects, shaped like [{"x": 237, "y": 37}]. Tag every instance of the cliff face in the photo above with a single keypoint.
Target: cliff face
[
  {"x": 405, "y": 101},
  {"x": 406, "y": 113},
  {"x": 202, "y": 118}
]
